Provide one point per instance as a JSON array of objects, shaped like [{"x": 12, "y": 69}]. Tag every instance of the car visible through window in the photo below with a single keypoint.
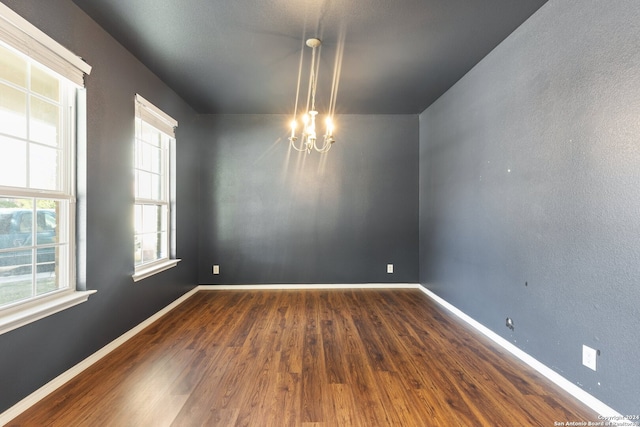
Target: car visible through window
[{"x": 18, "y": 240}]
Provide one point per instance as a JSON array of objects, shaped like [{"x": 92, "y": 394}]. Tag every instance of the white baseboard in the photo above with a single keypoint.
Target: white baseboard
[
  {"x": 584, "y": 397},
  {"x": 581, "y": 395},
  {"x": 63, "y": 378}
]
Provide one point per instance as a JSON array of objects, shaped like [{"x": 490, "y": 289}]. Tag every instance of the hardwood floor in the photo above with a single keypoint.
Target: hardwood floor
[{"x": 307, "y": 358}]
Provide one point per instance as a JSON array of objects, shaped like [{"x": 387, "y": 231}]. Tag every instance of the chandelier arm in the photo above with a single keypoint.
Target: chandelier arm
[
  {"x": 325, "y": 147},
  {"x": 302, "y": 144}
]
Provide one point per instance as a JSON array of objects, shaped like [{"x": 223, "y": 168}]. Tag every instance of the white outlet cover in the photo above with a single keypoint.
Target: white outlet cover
[
  {"x": 389, "y": 268},
  {"x": 589, "y": 356},
  {"x": 216, "y": 269}
]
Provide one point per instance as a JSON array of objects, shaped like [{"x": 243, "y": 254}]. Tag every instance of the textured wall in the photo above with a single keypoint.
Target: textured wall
[
  {"x": 530, "y": 193},
  {"x": 34, "y": 354},
  {"x": 274, "y": 216}
]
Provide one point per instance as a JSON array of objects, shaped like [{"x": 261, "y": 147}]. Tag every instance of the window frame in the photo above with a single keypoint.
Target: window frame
[
  {"x": 152, "y": 116},
  {"x": 18, "y": 35}
]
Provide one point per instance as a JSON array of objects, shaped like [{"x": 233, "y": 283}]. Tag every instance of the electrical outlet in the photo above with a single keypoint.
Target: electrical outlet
[
  {"x": 390, "y": 268},
  {"x": 216, "y": 269},
  {"x": 589, "y": 356}
]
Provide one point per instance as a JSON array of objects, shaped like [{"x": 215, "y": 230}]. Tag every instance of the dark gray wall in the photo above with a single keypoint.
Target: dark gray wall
[
  {"x": 274, "y": 216},
  {"x": 530, "y": 193},
  {"x": 34, "y": 354}
]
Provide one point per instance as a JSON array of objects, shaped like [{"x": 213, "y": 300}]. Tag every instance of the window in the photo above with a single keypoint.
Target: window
[
  {"x": 153, "y": 146},
  {"x": 40, "y": 84}
]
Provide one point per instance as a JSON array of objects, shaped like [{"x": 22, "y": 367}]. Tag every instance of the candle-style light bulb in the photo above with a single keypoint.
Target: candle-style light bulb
[
  {"x": 294, "y": 124},
  {"x": 329, "y": 124}
]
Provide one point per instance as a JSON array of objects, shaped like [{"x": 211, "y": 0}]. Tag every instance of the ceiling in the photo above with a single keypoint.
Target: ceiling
[{"x": 243, "y": 56}]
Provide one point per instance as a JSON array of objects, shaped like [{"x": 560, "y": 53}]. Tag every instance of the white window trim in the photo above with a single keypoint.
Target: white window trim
[
  {"x": 39, "y": 308},
  {"x": 149, "y": 270},
  {"x": 157, "y": 118},
  {"x": 26, "y": 38}
]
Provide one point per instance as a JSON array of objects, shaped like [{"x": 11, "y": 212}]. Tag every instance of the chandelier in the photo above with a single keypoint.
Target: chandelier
[{"x": 309, "y": 137}]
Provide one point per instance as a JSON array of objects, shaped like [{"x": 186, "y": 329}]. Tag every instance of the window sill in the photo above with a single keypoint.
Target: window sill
[
  {"x": 144, "y": 272},
  {"x": 40, "y": 309}
]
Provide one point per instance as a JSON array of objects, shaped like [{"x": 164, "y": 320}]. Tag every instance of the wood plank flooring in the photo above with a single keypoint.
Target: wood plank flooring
[{"x": 307, "y": 358}]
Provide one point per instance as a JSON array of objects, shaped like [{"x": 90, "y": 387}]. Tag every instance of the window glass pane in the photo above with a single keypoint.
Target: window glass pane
[
  {"x": 144, "y": 184},
  {"x": 137, "y": 218},
  {"x": 149, "y": 157},
  {"x": 16, "y": 281},
  {"x": 138, "y": 250},
  {"x": 46, "y": 222},
  {"x": 46, "y": 281},
  {"x": 163, "y": 248},
  {"x": 156, "y": 188},
  {"x": 150, "y": 218},
  {"x": 24, "y": 221},
  {"x": 138, "y": 154},
  {"x": 13, "y": 162},
  {"x": 155, "y": 160},
  {"x": 145, "y": 160},
  {"x": 5, "y": 227},
  {"x": 13, "y": 67},
  {"x": 10, "y": 204},
  {"x": 164, "y": 218},
  {"x": 150, "y": 247},
  {"x": 150, "y": 135},
  {"x": 45, "y": 84},
  {"x": 16, "y": 224},
  {"x": 44, "y": 167},
  {"x": 46, "y": 277},
  {"x": 13, "y": 111},
  {"x": 44, "y": 123}
]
